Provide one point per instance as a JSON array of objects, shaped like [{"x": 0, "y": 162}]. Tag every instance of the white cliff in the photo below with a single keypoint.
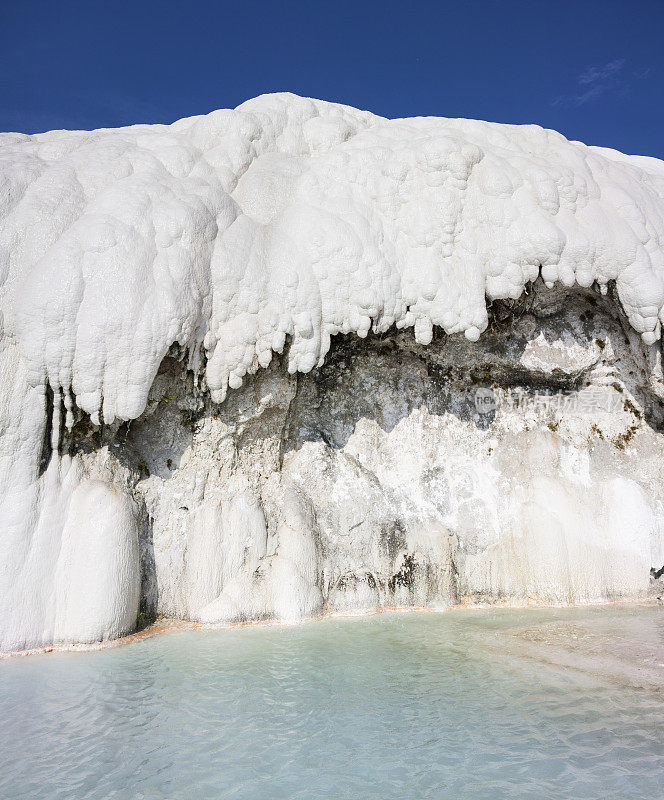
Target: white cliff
[{"x": 146, "y": 270}]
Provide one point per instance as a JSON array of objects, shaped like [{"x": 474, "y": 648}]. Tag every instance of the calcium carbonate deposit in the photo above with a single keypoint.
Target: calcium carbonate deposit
[{"x": 507, "y": 448}]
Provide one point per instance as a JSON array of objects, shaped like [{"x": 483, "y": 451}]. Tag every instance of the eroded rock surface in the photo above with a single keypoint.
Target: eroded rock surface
[{"x": 524, "y": 468}]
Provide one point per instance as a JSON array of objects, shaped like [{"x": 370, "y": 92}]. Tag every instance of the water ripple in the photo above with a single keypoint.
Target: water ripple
[{"x": 393, "y": 706}]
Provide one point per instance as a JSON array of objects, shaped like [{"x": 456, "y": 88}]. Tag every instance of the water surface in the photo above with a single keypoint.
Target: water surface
[{"x": 474, "y": 704}]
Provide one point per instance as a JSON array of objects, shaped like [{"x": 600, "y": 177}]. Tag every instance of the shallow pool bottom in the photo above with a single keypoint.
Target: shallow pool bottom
[{"x": 550, "y": 703}]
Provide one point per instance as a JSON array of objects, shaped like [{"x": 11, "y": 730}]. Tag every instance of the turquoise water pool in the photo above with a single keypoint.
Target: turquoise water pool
[{"x": 471, "y": 704}]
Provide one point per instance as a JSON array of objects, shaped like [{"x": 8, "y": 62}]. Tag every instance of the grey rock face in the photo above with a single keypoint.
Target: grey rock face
[{"x": 523, "y": 468}]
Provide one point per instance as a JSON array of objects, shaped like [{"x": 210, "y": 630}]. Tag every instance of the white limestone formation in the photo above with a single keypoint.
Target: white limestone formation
[{"x": 145, "y": 270}]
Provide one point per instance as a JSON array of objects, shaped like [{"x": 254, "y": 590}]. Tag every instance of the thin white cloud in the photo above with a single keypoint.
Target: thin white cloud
[
  {"x": 594, "y": 74},
  {"x": 597, "y": 80}
]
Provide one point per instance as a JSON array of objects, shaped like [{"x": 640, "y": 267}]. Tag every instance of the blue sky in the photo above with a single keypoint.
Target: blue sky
[{"x": 592, "y": 70}]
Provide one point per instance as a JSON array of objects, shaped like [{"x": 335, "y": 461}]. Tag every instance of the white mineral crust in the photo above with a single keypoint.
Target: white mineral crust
[{"x": 146, "y": 270}]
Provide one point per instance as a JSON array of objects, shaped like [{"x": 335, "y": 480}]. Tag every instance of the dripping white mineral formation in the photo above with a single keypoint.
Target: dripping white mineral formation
[{"x": 508, "y": 448}]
